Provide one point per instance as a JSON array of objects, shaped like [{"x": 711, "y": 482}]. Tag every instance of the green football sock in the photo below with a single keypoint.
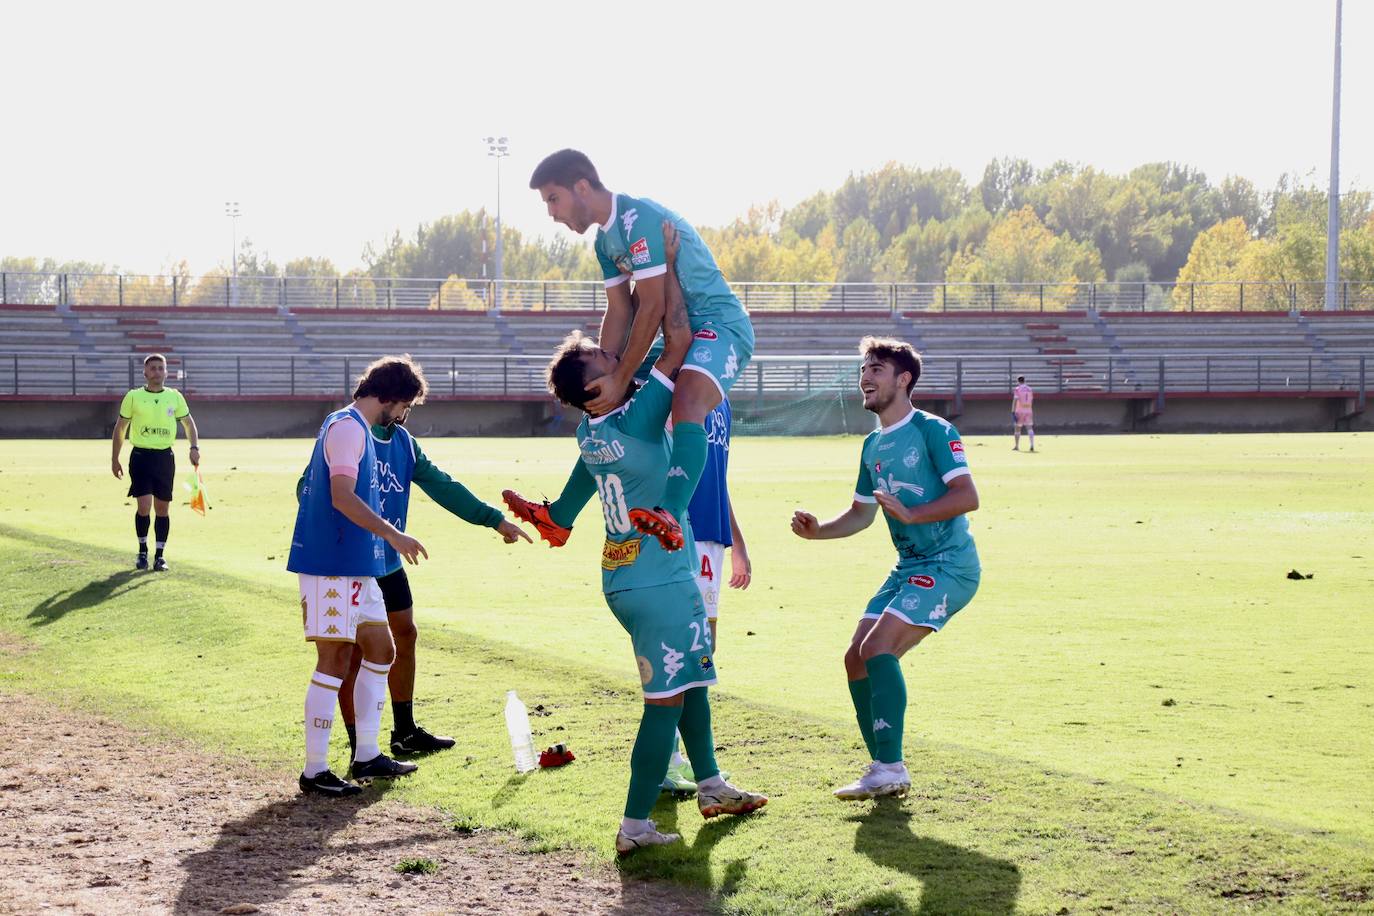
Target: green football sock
[
  {"x": 684, "y": 467},
  {"x": 696, "y": 733},
  {"x": 578, "y": 490},
  {"x": 649, "y": 759},
  {"x": 889, "y": 706},
  {"x": 861, "y": 693}
]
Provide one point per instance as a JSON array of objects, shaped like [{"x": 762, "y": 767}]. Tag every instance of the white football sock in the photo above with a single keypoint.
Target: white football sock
[
  {"x": 713, "y": 782},
  {"x": 369, "y": 696},
  {"x": 632, "y": 826},
  {"x": 678, "y": 759},
  {"x": 320, "y": 698}
]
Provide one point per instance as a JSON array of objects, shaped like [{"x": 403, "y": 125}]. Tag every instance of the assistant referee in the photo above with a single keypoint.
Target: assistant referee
[{"x": 150, "y": 415}]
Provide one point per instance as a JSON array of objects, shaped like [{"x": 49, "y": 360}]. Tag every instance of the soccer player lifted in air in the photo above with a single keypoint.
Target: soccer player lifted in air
[
  {"x": 338, "y": 550},
  {"x": 630, "y": 237},
  {"x": 913, "y": 467},
  {"x": 648, "y": 588},
  {"x": 401, "y": 462},
  {"x": 150, "y": 415}
]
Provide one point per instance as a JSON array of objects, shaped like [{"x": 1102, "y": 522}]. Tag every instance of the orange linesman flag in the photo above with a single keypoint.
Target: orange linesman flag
[{"x": 199, "y": 500}]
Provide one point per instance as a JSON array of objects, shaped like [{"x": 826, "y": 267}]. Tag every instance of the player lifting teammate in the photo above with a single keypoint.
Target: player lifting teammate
[{"x": 914, "y": 468}]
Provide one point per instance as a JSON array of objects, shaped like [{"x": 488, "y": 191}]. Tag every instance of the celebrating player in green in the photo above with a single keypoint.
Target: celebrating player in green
[
  {"x": 651, "y": 590},
  {"x": 914, "y": 467},
  {"x": 150, "y": 415},
  {"x": 630, "y": 245}
]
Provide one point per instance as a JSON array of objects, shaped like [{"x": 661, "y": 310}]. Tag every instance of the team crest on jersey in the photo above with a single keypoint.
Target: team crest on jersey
[
  {"x": 628, "y": 218},
  {"x": 911, "y": 458},
  {"x": 701, "y": 355},
  {"x": 171, "y": 412},
  {"x": 639, "y": 252},
  {"x": 956, "y": 449},
  {"x": 911, "y": 602}
]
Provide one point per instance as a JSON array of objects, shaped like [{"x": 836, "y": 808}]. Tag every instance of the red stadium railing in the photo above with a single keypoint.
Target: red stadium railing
[{"x": 354, "y": 292}]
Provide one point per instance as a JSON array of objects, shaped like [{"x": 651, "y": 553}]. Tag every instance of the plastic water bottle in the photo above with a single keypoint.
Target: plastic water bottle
[{"x": 521, "y": 740}]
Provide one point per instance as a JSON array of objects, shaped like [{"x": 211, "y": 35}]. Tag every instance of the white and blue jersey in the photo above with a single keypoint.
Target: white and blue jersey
[
  {"x": 324, "y": 542},
  {"x": 709, "y": 509},
  {"x": 395, "y": 464}
]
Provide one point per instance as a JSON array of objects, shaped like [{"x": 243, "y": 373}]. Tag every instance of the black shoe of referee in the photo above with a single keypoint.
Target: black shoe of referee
[
  {"x": 381, "y": 767},
  {"x": 159, "y": 565},
  {"x": 142, "y": 561},
  {"x": 327, "y": 783},
  {"x": 419, "y": 741}
]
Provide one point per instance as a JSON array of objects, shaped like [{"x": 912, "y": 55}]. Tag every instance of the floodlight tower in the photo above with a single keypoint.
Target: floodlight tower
[
  {"x": 497, "y": 149},
  {"x": 1333, "y": 200},
  {"x": 231, "y": 210}
]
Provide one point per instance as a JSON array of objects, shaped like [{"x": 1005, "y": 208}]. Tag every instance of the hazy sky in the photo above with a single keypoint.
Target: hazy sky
[{"x": 128, "y": 125}]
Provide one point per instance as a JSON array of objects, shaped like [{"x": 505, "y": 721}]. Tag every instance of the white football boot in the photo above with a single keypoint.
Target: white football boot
[
  {"x": 724, "y": 798},
  {"x": 879, "y": 779},
  {"x": 626, "y": 843}
]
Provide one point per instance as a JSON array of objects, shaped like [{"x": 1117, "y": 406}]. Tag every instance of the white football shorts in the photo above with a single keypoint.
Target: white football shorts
[
  {"x": 334, "y": 607},
  {"x": 710, "y": 569}
]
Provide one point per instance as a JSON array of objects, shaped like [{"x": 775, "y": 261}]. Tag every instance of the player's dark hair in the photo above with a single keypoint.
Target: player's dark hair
[
  {"x": 899, "y": 354},
  {"x": 152, "y": 356},
  {"x": 564, "y": 168},
  {"x": 393, "y": 378},
  {"x": 566, "y": 375},
  {"x": 1020, "y": 378}
]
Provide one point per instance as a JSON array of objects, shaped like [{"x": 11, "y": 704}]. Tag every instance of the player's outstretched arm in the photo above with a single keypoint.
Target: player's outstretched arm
[
  {"x": 359, "y": 513},
  {"x": 856, "y": 518},
  {"x": 961, "y": 499}
]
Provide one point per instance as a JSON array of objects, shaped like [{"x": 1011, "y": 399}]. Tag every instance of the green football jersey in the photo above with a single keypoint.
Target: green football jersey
[
  {"x": 627, "y": 451},
  {"x": 633, "y": 239},
  {"x": 915, "y": 459},
  {"x": 153, "y": 416}
]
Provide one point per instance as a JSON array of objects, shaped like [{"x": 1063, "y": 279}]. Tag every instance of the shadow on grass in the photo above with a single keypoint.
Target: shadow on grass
[
  {"x": 258, "y": 859},
  {"x": 953, "y": 879},
  {"x": 52, "y": 609}
]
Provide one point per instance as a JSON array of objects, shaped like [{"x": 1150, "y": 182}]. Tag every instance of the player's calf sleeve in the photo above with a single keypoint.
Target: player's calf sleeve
[
  {"x": 320, "y": 699},
  {"x": 161, "y": 526},
  {"x": 649, "y": 759},
  {"x": 697, "y": 737},
  {"x": 369, "y": 696},
  {"x": 861, "y": 693},
  {"x": 889, "y": 706},
  {"x": 141, "y": 523},
  {"x": 684, "y": 467}
]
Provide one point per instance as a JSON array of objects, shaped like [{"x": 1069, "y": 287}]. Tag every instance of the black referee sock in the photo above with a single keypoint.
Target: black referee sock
[
  {"x": 403, "y": 717},
  {"x": 161, "y": 525},
  {"x": 141, "y": 523}
]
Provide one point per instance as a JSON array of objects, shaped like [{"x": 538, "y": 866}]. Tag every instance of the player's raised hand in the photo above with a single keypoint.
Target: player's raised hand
[
  {"x": 804, "y": 525},
  {"x": 407, "y": 547},
  {"x": 741, "y": 570},
  {"x": 117, "y": 469},
  {"x": 511, "y": 532},
  {"x": 671, "y": 243},
  {"x": 892, "y": 506},
  {"x": 604, "y": 400}
]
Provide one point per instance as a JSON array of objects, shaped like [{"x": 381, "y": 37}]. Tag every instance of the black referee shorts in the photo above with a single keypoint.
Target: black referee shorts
[
  {"x": 396, "y": 591},
  {"x": 152, "y": 471}
]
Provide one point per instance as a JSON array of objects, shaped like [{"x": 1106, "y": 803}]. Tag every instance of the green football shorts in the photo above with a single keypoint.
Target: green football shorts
[{"x": 671, "y": 637}]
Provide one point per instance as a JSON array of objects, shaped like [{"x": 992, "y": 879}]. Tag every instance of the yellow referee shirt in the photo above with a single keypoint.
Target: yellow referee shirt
[{"x": 153, "y": 416}]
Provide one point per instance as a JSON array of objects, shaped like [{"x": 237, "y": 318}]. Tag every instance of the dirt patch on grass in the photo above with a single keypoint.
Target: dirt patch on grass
[{"x": 101, "y": 819}]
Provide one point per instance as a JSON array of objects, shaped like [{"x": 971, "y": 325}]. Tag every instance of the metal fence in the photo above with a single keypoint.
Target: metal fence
[
  {"x": 555, "y": 295},
  {"x": 66, "y": 374}
]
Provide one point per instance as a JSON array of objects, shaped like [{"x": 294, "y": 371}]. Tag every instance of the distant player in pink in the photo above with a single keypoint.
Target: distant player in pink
[{"x": 1022, "y": 417}]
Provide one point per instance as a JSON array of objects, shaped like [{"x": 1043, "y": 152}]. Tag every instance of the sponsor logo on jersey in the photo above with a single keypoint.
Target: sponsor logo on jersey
[
  {"x": 887, "y": 445},
  {"x": 331, "y": 630},
  {"x": 332, "y": 612},
  {"x": 921, "y": 581},
  {"x": 388, "y": 481},
  {"x": 892, "y": 485},
  {"x": 880, "y": 724},
  {"x": 911, "y": 458},
  {"x": 639, "y": 252},
  {"x": 940, "y": 610},
  {"x": 628, "y": 218},
  {"x": 172, "y": 412},
  {"x": 600, "y": 451},
  {"x": 956, "y": 448},
  {"x": 676, "y": 471},
  {"x": 616, "y": 555},
  {"x": 731, "y": 364},
  {"x": 705, "y": 334},
  {"x": 717, "y": 431},
  {"x": 332, "y": 593},
  {"x": 672, "y": 661}
]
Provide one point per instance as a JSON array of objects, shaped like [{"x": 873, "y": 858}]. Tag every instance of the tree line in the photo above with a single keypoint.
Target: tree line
[{"x": 1158, "y": 223}]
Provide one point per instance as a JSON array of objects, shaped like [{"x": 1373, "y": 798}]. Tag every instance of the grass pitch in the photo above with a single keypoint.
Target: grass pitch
[{"x": 1138, "y": 711}]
